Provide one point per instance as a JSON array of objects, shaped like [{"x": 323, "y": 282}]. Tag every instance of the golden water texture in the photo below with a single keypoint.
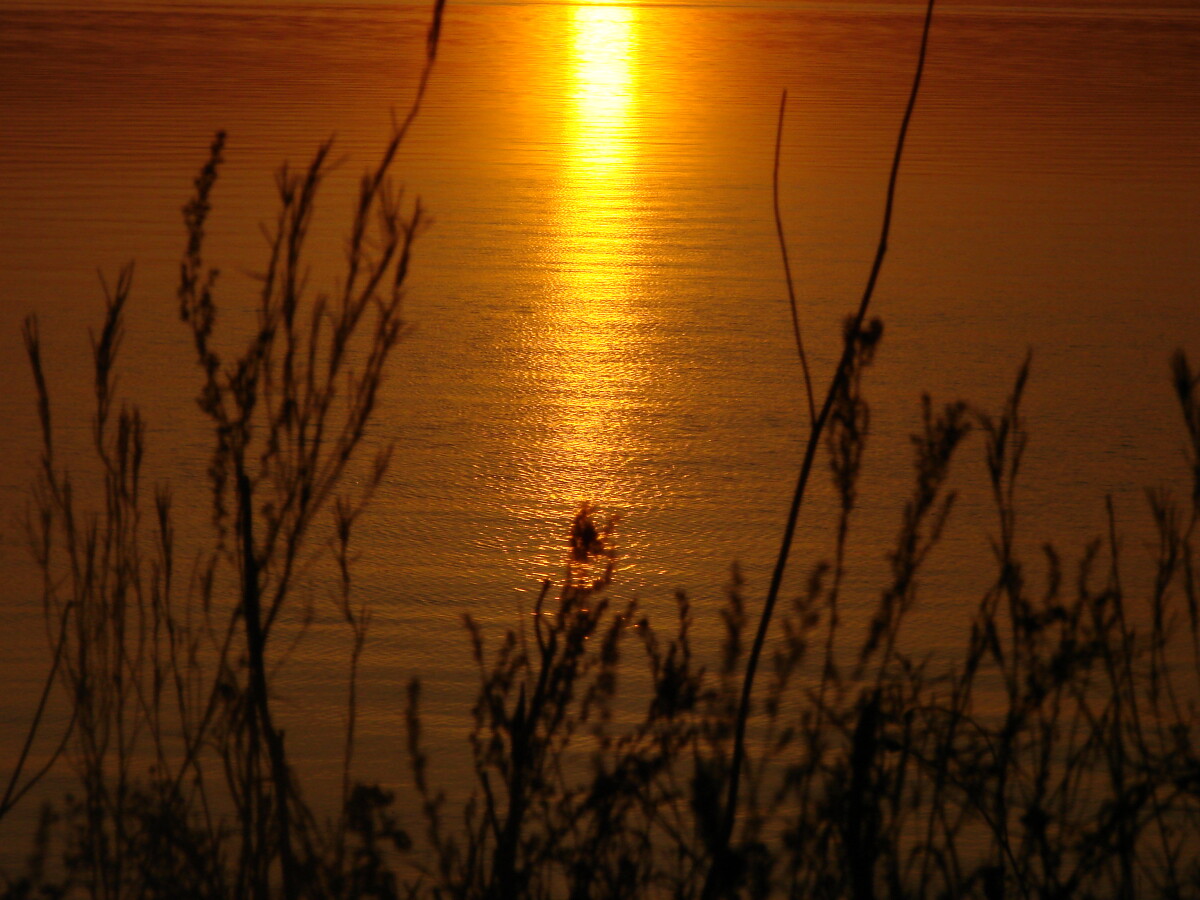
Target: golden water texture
[
  {"x": 600, "y": 308},
  {"x": 590, "y": 362}
]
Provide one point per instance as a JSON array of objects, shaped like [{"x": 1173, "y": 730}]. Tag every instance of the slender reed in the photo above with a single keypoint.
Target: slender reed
[
  {"x": 787, "y": 267},
  {"x": 715, "y": 887}
]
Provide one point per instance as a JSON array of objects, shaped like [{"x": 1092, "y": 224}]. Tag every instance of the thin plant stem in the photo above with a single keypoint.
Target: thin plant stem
[
  {"x": 840, "y": 375},
  {"x": 787, "y": 268},
  {"x": 13, "y": 794}
]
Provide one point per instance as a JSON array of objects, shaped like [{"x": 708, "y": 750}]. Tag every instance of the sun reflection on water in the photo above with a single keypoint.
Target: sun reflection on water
[
  {"x": 602, "y": 94},
  {"x": 592, "y": 360}
]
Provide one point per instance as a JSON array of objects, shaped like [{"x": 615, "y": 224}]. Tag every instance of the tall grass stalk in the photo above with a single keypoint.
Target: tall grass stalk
[{"x": 721, "y": 861}]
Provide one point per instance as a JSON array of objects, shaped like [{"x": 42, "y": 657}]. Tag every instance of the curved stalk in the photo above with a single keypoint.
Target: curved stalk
[{"x": 714, "y": 884}]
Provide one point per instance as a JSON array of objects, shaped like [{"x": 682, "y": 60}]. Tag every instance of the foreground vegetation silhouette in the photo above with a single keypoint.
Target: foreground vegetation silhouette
[{"x": 1053, "y": 756}]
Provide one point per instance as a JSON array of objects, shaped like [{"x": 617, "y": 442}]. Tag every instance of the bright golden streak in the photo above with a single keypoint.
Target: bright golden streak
[
  {"x": 591, "y": 318},
  {"x": 602, "y": 80},
  {"x": 599, "y": 142}
]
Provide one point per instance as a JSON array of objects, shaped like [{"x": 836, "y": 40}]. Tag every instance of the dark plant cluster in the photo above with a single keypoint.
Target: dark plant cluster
[{"x": 1053, "y": 757}]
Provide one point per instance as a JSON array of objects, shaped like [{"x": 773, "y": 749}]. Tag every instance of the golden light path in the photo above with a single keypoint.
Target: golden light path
[
  {"x": 593, "y": 359},
  {"x": 602, "y": 93}
]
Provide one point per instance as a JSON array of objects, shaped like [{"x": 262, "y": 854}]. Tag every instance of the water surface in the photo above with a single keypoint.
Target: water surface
[{"x": 600, "y": 310}]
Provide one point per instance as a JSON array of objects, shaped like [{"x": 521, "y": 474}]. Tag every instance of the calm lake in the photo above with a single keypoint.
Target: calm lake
[{"x": 599, "y": 308}]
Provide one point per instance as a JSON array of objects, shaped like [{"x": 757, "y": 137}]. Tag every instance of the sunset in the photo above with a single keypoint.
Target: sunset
[{"x": 517, "y": 449}]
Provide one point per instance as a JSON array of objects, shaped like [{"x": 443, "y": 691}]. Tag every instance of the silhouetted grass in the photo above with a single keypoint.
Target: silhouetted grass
[
  {"x": 1052, "y": 756},
  {"x": 185, "y": 787}
]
